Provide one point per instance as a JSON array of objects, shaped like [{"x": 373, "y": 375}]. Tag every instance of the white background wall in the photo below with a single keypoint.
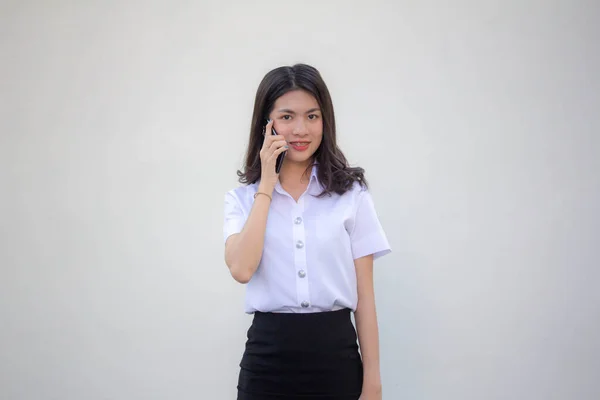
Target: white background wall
[{"x": 122, "y": 126}]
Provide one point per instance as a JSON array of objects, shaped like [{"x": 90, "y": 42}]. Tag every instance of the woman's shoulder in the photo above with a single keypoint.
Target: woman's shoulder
[
  {"x": 352, "y": 195},
  {"x": 242, "y": 192},
  {"x": 357, "y": 190}
]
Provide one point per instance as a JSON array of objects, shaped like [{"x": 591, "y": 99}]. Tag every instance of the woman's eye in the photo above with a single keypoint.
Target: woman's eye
[
  {"x": 287, "y": 117},
  {"x": 313, "y": 116}
]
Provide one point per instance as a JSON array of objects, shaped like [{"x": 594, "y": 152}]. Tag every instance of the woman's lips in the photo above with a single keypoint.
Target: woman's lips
[{"x": 299, "y": 146}]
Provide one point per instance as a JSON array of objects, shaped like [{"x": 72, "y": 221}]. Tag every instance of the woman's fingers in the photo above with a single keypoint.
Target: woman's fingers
[
  {"x": 277, "y": 144},
  {"x": 268, "y": 133},
  {"x": 273, "y": 146},
  {"x": 269, "y": 137},
  {"x": 279, "y": 151}
]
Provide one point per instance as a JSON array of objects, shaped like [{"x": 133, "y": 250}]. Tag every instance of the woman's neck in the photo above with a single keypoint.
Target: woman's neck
[{"x": 293, "y": 173}]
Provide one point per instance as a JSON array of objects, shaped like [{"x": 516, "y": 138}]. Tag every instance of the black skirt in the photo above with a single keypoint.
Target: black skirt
[{"x": 301, "y": 356}]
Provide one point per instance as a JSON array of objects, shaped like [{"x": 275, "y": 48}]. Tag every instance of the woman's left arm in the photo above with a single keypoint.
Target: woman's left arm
[{"x": 366, "y": 326}]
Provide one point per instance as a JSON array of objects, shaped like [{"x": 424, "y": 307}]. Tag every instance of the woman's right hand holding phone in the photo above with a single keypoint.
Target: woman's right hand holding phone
[
  {"x": 243, "y": 251},
  {"x": 273, "y": 146}
]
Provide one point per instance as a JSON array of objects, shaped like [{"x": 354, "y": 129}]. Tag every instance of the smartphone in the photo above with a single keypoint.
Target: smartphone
[{"x": 280, "y": 157}]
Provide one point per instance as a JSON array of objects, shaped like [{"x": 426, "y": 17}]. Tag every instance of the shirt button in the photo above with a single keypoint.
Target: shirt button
[
  {"x": 301, "y": 273},
  {"x": 299, "y": 244},
  {"x": 305, "y": 304},
  {"x": 298, "y": 221}
]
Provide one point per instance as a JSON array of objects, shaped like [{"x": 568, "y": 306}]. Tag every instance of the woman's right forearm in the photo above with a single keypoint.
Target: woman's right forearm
[{"x": 244, "y": 252}]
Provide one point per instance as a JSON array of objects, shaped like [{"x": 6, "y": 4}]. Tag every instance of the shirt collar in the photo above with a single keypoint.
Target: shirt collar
[
  {"x": 313, "y": 173},
  {"x": 314, "y": 186}
]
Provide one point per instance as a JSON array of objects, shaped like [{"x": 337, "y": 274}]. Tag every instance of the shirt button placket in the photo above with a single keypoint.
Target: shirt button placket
[{"x": 302, "y": 288}]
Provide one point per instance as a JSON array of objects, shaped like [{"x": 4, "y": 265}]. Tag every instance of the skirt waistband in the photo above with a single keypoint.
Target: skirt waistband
[
  {"x": 337, "y": 315},
  {"x": 301, "y": 332}
]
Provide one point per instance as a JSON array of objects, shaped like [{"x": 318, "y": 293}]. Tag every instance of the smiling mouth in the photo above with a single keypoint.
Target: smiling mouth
[{"x": 300, "y": 146}]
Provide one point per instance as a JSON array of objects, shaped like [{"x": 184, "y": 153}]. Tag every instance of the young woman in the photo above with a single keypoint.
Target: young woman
[{"x": 304, "y": 241}]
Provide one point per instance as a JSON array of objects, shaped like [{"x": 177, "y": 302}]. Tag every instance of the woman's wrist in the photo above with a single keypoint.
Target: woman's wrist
[
  {"x": 263, "y": 194},
  {"x": 266, "y": 188}
]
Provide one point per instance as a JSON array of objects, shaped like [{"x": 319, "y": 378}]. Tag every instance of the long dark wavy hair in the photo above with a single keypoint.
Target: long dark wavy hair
[{"x": 334, "y": 173}]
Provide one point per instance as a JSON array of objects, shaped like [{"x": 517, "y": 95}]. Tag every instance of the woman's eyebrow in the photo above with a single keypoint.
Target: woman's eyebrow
[{"x": 288, "y": 111}]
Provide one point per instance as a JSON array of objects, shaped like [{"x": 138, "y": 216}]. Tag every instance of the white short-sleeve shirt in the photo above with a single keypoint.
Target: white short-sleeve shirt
[{"x": 310, "y": 247}]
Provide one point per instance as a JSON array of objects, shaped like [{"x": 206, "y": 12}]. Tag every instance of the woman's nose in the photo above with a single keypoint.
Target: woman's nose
[{"x": 300, "y": 128}]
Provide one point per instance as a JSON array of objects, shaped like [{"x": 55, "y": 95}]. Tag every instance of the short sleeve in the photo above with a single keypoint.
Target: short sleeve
[
  {"x": 367, "y": 236},
  {"x": 234, "y": 217}
]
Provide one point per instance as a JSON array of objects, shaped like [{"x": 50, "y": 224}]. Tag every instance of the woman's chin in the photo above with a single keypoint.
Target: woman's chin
[{"x": 298, "y": 158}]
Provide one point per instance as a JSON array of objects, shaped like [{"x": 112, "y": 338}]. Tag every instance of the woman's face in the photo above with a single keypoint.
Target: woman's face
[{"x": 298, "y": 118}]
